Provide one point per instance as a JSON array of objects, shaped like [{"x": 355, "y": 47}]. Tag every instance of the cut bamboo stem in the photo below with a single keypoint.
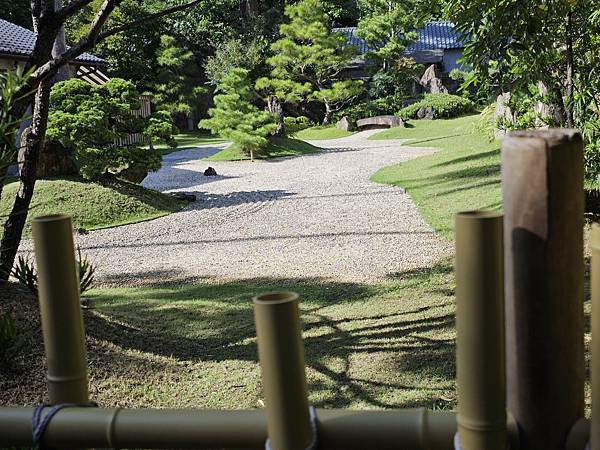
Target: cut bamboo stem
[
  {"x": 60, "y": 308},
  {"x": 281, "y": 353},
  {"x": 481, "y": 378}
]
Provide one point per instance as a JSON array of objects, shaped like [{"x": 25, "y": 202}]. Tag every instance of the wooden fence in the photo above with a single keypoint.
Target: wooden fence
[{"x": 520, "y": 350}]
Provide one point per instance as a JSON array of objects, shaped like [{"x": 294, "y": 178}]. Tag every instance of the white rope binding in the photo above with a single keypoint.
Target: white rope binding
[
  {"x": 312, "y": 414},
  {"x": 457, "y": 442}
]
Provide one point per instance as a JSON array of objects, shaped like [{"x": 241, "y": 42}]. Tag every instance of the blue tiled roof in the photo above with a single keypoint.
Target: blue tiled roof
[
  {"x": 19, "y": 41},
  {"x": 434, "y": 35}
]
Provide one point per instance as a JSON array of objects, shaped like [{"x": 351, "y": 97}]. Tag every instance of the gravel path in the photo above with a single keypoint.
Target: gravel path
[{"x": 315, "y": 216}]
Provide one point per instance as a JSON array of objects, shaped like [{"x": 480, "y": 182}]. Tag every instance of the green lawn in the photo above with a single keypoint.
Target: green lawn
[
  {"x": 321, "y": 133},
  {"x": 277, "y": 148},
  {"x": 92, "y": 205},
  {"x": 464, "y": 175},
  {"x": 190, "y": 139},
  {"x": 389, "y": 345}
]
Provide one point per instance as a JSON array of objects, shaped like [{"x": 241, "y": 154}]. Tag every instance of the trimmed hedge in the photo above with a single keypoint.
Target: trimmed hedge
[
  {"x": 444, "y": 106},
  {"x": 378, "y": 107},
  {"x": 295, "y": 124}
]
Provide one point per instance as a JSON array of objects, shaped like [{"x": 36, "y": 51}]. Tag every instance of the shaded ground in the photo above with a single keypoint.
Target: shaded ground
[{"x": 386, "y": 345}]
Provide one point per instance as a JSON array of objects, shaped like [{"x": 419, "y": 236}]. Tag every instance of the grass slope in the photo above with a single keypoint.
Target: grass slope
[
  {"x": 464, "y": 175},
  {"x": 321, "y": 133},
  {"x": 193, "y": 345},
  {"x": 276, "y": 148},
  {"x": 190, "y": 139},
  {"x": 92, "y": 205}
]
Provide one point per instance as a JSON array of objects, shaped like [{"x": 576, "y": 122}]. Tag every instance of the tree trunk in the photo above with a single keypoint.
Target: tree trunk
[
  {"x": 328, "y": 113},
  {"x": 570, "y": 73},
  {"x": 560, "y": 107},
  {"x": 13, "y": 227},
  {"x": 276, "y": 108},
  {"x": 60, "y": 46}
]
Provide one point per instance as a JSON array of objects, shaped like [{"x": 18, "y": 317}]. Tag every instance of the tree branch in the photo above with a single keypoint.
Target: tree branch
[
  {"x": 73, "y": 8},
  {"x": 94, "y": 36}
]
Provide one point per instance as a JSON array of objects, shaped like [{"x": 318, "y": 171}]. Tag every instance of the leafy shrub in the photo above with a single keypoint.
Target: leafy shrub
[
  {"x": 591, "y": 161},
  {"x": 484, "y": 124},
  {"x": 90, "y": 119},
  {"x": 86, "y": 272},
  {"x": 295, "y": 124},
  {"x": 26, "y": 274},
  {"x": 444, "y": 106},
  {"x": 160, "y": 127},
  {"x": 378, "y": 107}
]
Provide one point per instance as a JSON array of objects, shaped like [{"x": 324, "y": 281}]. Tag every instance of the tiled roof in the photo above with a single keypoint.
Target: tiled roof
[
  {"x": 434, "y": 35},
  {"x": 16, "y": 40}
]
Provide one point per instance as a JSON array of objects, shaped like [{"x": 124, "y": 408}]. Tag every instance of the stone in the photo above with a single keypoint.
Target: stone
[
  {"x": 210, "y": 172},
  {"x": 426, "y": 113},
  {"x": 133, "y": 175},
  {"x": 503, "y": 114},
  {"x": 432, "y": 81},
  {"x": 381, "y": 121},
  {"x": 346, "y": 124},
  {"x": 54, "y": 161},
  {"x": 184, "y": 196}
]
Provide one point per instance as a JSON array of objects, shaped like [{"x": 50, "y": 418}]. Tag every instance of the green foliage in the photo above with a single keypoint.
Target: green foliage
[
  {"x": 591, "y": 161},
  {"x": 90, "y": 119},
  {"x": 26, "y": 274},
  {"x": 231, "y": 54},
  {"x": 484, "y": 124},
  {"x": 18, "y": 12},
  {"x": 86, "y": 271},
  {"x": 388, "y": 26},
  {"x": 397, "y": 79},
  {"x": 378, "y": 107},
  {"x": 177, "y": 87},
  {"x": 295, "y": 124},
  {"x": 235, "y": 117},
  {"x": 160, "y": 127},
  {"x": 310, "y": 56},
  {"x": 444, "y": 106},
  {"x": 10, "y": 82}
]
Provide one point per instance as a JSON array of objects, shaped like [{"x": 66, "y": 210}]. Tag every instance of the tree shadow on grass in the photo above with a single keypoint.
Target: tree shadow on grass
[{"x": 342, "y": 323}]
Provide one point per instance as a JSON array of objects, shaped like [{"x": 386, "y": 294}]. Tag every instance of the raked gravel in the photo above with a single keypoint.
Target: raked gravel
[{"x": 312, "y": 216}]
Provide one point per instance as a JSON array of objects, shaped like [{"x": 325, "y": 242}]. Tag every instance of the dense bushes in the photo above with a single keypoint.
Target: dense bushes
[
  {"x": 295, "y": 124},
  {"x": 442, "y": 105},
  {"x": 378, "y": 107},
  {"x": 91, "y": 120}
]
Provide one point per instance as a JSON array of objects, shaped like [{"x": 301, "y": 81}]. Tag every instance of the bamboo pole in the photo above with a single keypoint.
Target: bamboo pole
[
  {"x": 416, "y": 429},
  {"x": 595, "y": 288},
  {"x": 281, "y": 354},
  {"x": 542, "y": 181},
  {"x": 60, "y": 308},
  {"x": 481, "y": 377}
]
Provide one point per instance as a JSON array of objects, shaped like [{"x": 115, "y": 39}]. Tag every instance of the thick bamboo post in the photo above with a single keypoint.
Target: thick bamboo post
[
  {"x": 542, "y": 181},
  {"x": 480, "y": 331},
  {"x": 281, "y": 353},
  {"x": 595, "y": 287},
  {"x": 62, "y": 322}
]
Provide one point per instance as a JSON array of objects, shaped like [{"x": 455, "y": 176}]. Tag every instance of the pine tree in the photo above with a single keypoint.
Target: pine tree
[
  {"x": 310, "y": 58},
  {"x": 388, "y": 26},
  {"x": 235, "y": 117}
]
